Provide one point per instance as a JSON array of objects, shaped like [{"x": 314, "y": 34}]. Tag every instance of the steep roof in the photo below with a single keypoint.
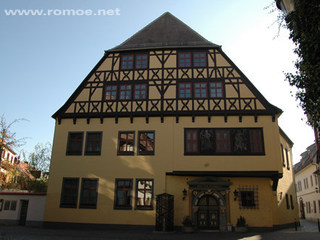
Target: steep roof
[
  {"x": 308, "y": 157},
  {"x": 165, "y": 31}
]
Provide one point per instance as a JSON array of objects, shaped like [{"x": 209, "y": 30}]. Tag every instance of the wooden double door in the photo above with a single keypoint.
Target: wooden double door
[{"x": 208, "y": 213}]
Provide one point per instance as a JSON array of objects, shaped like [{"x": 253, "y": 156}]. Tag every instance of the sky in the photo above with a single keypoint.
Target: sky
[{"x": 43, "y": 59}]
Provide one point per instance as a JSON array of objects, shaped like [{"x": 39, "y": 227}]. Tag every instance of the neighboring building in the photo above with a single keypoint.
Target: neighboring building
[
  {"x": 167, "y": 116},
  {"x": 11, "y": 168},
  {"x": 307, "y": 184},
  {"x": 22, "y": 208}
]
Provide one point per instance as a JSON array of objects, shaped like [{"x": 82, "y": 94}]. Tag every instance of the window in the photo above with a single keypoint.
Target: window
[
  {"x": 93, "y": 143},
  {"x": 185, "y": 90},
  {"x": 111, "y": 92},
  {"x": 6, "y": 205},
  {"x": 282, "y": 153},
  {"x": 141, "y": 61},
  {"x": 146, "y": 143},
  {"x": 75, "y": 141},
  {"x": 126, "y": 143},
  {"x": 123, "y": 194},
  {"x": 230, "y": 141},
  {"x": 287, "y": 201},
  {"x": 185, "y": 59},
  {"x": 216, "y": 90},
  {"x": 314, "y": 207},
  {"x": 200, "y": 90},
  {"x": 287, "y": 158},
  {"x": 125, "y": 92},
  {"x": 199, "y": 59},
  {"x": 89, "y": 193},
  {"x": 307, "y": 183},
  {"x": 299, "y": 186},
  {"x": 248, "y": 198},
  {"x": 144, "y": 194},
  {"x": 291, "y": 201},
  {"x": 69, "y": 193},
  {"x": 223, "y": 140},
  {"x": 315, "y": 180},
  {"x": 256, "y": 145},
  {"x": 127, "y": 62},
  {"x": 10, "y": 205},
  {"x": 140, "y": 91},
  {"x": 191, "y": 142},
  {"x": 311, "y": 181}
]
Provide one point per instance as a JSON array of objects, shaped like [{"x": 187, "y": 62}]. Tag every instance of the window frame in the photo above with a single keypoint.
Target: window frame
[
  {"x": 194, "y": 58},
  {"x": 216, "y": 88},
  {"x": 138, "y": 145},
  {"x": 111, "y": 91},
  {"x": 255, "y": 200},
  {"x": 282, "y": 154},
  {"x": 136, "y": 61},
  {"x": 223, "y": 141},
  {"x": 287, "y": 158},
  {"x": 214, "y": 150},
  {"x": 140, "y": 90},
  {"x": 287, "y": 201},
  {"x": 122, "y": 207},
  {"x": 200, "y": 88},
  {"x": 83, "y": 203},
  {"x": 126, "y": 91},
  {"x": 97, "y": 153},
  {"x": 142, "y": 207},
  {"x": 185, "y": 89},
  {"x": 133, "y": 144},
  {"x": 74, "y": 153},
  {"x": 184, "y": 58},
  {"x": 126, "y": 61},
  {"x": 191, "y": 141},
  {"x": 64, "y": 191},
  {"x": 256, "y": 140}
]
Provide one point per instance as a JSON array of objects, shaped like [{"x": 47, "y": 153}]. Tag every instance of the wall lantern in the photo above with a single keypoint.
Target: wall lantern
[
  {"x": 235, "y": 195},
  {"x": 184, "y": 194}
]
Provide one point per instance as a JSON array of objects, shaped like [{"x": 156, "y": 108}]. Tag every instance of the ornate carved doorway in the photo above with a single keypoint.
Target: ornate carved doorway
[
  {"x": 208, "y": 213},
  {"x": 209, "y": 203}
]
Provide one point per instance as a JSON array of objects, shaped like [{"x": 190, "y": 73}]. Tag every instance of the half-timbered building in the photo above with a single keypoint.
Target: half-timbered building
[{"x": 166, "y": 126}]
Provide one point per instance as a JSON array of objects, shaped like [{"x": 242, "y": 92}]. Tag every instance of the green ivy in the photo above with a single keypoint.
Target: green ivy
[{"x": 304, "y": 26}]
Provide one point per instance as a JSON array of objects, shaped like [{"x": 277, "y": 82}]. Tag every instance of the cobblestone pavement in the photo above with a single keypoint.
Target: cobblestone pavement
[{"x": 308, "y": 230}]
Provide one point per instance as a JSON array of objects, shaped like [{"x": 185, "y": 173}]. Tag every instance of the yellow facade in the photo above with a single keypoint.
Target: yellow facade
[{"x": 231, "y": 167}]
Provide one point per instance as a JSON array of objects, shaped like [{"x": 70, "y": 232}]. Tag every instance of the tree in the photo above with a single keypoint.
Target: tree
[
  {"x": 304, "y": 26},
  {"x": 8, "y": 139},
  {"x": 41, "y": 156}
]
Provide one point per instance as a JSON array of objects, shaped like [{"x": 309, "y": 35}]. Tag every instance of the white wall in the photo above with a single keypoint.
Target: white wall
[
  {"x": 35, "y": 207},
  {"x": 310, "y": 193}
]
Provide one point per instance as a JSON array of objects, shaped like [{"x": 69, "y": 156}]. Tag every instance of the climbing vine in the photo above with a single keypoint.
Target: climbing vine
[{"x": 304, "y": 26}]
